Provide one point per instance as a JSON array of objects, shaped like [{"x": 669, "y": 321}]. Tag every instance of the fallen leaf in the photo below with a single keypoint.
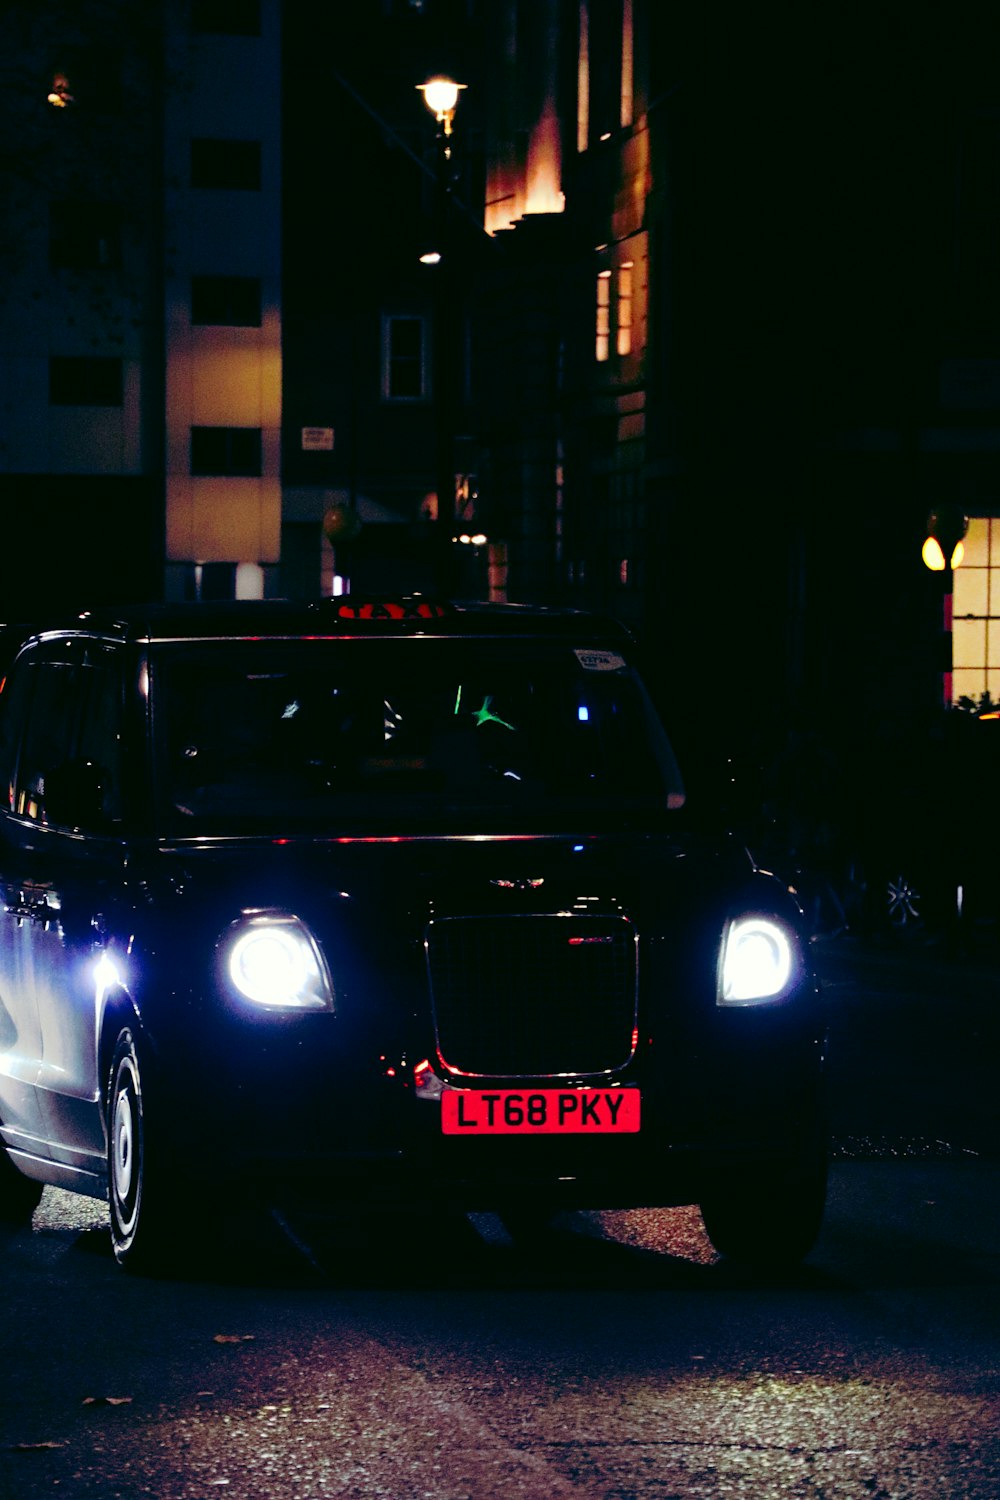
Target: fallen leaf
[
  {"x": 233, "y": 1338},
  {"x": 107, "y": 1400},
  {"x": 34, "y": 1447}
]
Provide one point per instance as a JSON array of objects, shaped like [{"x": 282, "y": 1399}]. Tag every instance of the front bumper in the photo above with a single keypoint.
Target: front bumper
[{"x": 298, "y": 1129}]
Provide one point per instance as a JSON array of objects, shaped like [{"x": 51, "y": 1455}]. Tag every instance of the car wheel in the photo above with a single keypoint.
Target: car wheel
[
  {"x": 904, "y": 901},
  {"x": 138, "y": 1198},
  {"x": 769, "y": 1219},
  {"x": 19, "y": 1195}
]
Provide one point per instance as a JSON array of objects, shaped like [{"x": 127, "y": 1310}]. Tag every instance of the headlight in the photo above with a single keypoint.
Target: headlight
[
  {"x": 758, "y": 960},
  {"x": 273, "y": 960}
]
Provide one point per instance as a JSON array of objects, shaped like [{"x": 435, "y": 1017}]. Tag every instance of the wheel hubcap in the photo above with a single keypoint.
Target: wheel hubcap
[
  {"x": 124, "y": 1137},
  {"x": 904, "y": 902},
  {"x": 125, "y": 1153}
]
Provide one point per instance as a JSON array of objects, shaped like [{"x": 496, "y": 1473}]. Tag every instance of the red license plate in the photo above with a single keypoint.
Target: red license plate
[{"x": 539, "y": 1111}]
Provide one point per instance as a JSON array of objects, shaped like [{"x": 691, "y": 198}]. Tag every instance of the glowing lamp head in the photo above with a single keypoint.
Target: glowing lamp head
[
  {"x": 441, "y": 97},
  {"x": 934, "y": 557},
  {"x": 60, "y": 95},
  {"x": 946, "y": 527}
]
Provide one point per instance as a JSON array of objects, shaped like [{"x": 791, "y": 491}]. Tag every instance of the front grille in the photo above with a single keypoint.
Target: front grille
[{"x": 533, "y": 996}]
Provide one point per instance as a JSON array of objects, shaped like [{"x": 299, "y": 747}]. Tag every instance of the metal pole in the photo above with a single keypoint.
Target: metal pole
[{"x": 445, "y": 365}]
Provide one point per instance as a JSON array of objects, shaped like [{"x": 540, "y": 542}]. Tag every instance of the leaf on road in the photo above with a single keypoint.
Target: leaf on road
[
  {"x": 106, "y": 1400},
  {"x": 233, "y": 1338},
  {"x": 34, "y": 1447}
]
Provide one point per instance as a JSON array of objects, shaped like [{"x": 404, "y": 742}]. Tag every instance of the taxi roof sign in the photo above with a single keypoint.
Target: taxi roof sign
[{"x": 408, "y": 607}]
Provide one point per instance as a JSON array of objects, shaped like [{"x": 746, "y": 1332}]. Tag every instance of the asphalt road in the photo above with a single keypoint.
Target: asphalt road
[{"x": 616, "y": 1359}]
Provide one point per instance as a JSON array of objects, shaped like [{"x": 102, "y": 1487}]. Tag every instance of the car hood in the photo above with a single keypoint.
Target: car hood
[{"x": 396, "y": 885}]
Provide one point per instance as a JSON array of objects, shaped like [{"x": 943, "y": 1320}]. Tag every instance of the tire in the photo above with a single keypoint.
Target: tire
[
  {"x": 771, "y": 1219},
  {"x": 140, "y": 1195},
  {"x": 19, "y": 1195}
]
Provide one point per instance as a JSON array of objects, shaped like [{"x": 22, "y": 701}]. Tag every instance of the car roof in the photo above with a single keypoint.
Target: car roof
[{"x": 346, "y": 615}]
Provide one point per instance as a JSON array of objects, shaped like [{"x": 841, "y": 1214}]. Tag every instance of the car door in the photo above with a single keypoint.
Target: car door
[
  {"x": 69, "y": 859},
  {"x": 20, "y": 1029}
]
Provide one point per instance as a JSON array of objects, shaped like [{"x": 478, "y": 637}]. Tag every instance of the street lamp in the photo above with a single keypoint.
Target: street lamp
[
  {"x": 441, "y": 97},
  {"x": 59, "y": 95},
  {"x": 942, "y": 552}
]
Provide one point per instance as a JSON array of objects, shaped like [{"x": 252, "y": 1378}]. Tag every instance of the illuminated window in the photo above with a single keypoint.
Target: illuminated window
[
  {"x": 628, "y": 64},
  {"x": 226, "y": 300},
  {"x": 226, "y": 450},
  {"x": 85, "y": 382},
  {"x": 226, "y": 165},
  {"x": 602, "y": 347},
  {"x": 625, "y": 308},
  {"x": 583, "y": 80},
  {"x": 976, "y": 613},
  {"x": 615, "y": 315},
  {"x": 404, "y": 359}
]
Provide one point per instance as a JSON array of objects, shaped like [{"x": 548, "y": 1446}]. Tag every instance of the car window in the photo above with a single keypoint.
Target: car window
[
  {"x": 367, "y": 728},
  {"x": 47, "y": 737},
  {"x": 99, "y": 735},
  {"x": 13, "y": 709},
  {"x": 61, "y": 714}
]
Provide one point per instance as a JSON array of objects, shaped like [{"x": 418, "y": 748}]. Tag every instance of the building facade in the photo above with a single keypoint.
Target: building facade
[
  {"x": 711, "y": 337},
  {"x": 81, "y": 335},
  {"x": 222, "y": 242},
  {"x": 749, "y": 305},
  {"x": 140, "y": 329}
]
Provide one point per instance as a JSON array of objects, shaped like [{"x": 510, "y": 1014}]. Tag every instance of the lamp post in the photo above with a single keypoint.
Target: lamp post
[
  {"x": 441, "y": 97},
  {"x": 942, "y": 552}
]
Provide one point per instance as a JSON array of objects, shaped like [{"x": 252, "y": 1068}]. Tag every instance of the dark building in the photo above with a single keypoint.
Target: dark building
[
  {"x": 716, "y": 327},
  {"x": 140, "y": 317},
  {"x": 744, "y": 348}
]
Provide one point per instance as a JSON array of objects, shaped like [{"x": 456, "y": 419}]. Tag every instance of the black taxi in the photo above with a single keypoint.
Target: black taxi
[{"x": 362, "y": 901}]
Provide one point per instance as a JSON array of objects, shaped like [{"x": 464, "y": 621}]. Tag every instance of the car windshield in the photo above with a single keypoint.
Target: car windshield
[{"x": 376, "y": 735}]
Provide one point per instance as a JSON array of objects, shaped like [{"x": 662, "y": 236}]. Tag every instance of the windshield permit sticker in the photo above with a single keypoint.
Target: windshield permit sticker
[{"x": 600, "y": 661}]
